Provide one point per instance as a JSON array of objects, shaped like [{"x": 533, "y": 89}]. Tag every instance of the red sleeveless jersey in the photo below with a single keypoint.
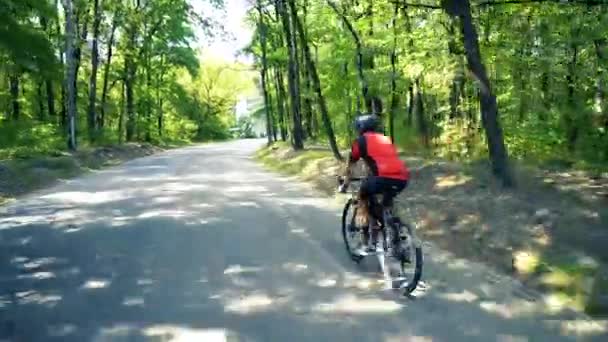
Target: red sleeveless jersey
[{"x": 381, "y": 156}]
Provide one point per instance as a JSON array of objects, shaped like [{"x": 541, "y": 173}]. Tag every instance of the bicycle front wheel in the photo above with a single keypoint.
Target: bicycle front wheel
[{"x": 350, "y": 233}]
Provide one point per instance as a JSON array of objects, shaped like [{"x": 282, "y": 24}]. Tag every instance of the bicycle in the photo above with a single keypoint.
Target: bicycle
[{"x": 399, "y": 243}]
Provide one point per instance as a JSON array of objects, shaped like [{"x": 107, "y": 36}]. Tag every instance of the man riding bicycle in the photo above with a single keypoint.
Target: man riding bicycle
[{"x": 389, "y": 175}]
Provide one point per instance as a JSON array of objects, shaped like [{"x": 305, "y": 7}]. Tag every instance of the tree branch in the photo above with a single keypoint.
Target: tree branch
[
  {"x": 559, "y": 2},
  {"x": 416, "y": 5}
]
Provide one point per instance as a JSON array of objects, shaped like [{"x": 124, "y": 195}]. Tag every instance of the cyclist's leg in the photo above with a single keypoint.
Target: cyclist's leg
[{"x": 370, "y": 188}]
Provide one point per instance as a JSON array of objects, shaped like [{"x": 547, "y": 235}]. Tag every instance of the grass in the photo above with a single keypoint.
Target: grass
[{"x": 34, "y": 171}]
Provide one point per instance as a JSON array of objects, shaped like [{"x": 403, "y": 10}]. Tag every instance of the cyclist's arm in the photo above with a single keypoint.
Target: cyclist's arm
[{"x": 354, "y": 156}]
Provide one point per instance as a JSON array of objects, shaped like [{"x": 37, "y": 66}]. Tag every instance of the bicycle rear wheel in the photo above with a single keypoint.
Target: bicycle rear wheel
[
  {"x": 350, "y": 232},
  {"x": 408, "y": 251}
]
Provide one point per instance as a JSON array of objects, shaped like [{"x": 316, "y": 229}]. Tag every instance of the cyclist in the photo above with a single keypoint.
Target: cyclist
[{"x": 388, "y": 174}]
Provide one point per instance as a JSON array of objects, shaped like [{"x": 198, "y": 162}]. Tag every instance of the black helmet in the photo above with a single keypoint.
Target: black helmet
[{"x": 367, "y": 123}]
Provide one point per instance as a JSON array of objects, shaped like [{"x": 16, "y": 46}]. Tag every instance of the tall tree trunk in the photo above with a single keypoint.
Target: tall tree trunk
[
  {"x": 92, "y": 120},
  {"x": 129, "y": 84},
  {"x": 14, "y": 90},
  {"x": 572, "y": 126},
  {"x": 600, "y": 93},
  {"x": 106, "y": 72},
  {"x": 489, "y": 108},
  {"x": 50, "y": 98},
  {"x": 394, "y": 95},
  {"x": 312, "y": 71},
  {"x": 281, "y": 103},
  {"x": 62, "y": 49},
  {"x": 423, "y": 127},
  {"x": 50, "y": 93},
  {"x": 71, "y": 36},
  {"x": 80, "y": 40},
  {"x": 40, "y": 100},
  {"x": 159, "y": 99},
  {"x": 121, "y": 117},
  {"x": 410, "y": 106},
  {"x": 293, "y": 82},
  {"x": 263, "y": 73}
]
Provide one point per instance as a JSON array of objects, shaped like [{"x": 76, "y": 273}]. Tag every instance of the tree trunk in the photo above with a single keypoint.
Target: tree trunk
[
  {"x": 129, "y": 84},
  {"x": 40, "y": 100},
  {"x": 62, "y": 49},
  {"x": 281, "y": 103},
  {"x": 106, "y": 73},
  {"x": 159, "y": 99},
  {"x": 600, "y": 94},
  {"x": 410, "y": 107},
  {"x": 572, "y": 126},
  {"x": 121, "y": 118},
  {"x": 489, "y": 108},
  {"x": 71, "y": 36},
  {"x": 312, "y": 71},
  {"x": 14, "y": 90},
  {"x": 423, "y": 128},
  {"x": 394, "y": 95},
  {"x": 148, "y": 96},
  {"x": 92, "y": 120},
  {"x": 293, "y": 82},
  {"x": 262, "y": 29},
  {"x": 80, "y": 39},
  {"x": 50, "y": 94}
]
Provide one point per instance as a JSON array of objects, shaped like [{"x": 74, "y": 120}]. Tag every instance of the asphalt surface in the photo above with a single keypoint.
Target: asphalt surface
[{"x": 202, "y": 244}]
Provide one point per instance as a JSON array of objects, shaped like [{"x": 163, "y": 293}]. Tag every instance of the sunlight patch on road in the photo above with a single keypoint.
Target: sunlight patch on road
[
  {"x": 295, "y": 267},
  {"x": 112, "y": 333},
  {"x": 95, "y": 284},
  {"x": 165, "y": 199},
  {"x": 349, "y": 304},
  {"x": 81, "y": 197},
  {"x": 37, "y": 276},
  {"x": 133, "y": 301},
  {"x": 172, "y": 333},
  {"x": 250, "y": 304},
  {"x": 327, "y": 282},
  {"x": 19, "y": 221},
  {"x": 248, "y": 204},
  {"x": 446, "y": 182},
  {"x": 238, "y": 269},
  {"x": 245, "y": 189},
  {"x": 581, "y": 327},
  {"x": 464, "y": 296},
  {"x": 34, "y": 297},
  {"x": 501, "y": 310},
  {"x": 161, "y": 213}
]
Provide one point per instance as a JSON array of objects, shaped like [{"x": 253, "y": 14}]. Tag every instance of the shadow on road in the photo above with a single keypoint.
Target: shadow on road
[{"x": 167, "y": 248}]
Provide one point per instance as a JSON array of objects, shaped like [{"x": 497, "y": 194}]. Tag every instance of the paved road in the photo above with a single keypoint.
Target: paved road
[{"x": 201, "y": 244}]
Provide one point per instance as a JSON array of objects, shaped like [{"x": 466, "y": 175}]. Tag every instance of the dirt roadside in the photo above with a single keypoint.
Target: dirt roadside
[
  {"x": 551, "y": 232},
  {"x": 21, "y": 176}
]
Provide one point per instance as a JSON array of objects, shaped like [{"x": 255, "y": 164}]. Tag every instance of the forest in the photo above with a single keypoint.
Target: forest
[
  {"x": 79, "y": 73},
  {"x": 500, "y": 79}
]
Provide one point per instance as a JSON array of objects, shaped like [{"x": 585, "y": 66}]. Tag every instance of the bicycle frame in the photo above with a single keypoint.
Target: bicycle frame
[{"x": 387, "y": 217}]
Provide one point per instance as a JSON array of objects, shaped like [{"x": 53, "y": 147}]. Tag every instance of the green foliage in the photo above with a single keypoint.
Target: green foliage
[
  {"x": 178, "y": 93},
  {"x": 547, "y": 64},
  {"x": 21, "y": 140}
]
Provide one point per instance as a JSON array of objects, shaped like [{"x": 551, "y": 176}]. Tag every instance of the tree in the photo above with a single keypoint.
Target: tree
[
  {"x": 293, "y": 72},
  {"x": 70, "y": 71},
  {"x": 312, "y": 71},
  {"x": 489, "y": 107}
]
